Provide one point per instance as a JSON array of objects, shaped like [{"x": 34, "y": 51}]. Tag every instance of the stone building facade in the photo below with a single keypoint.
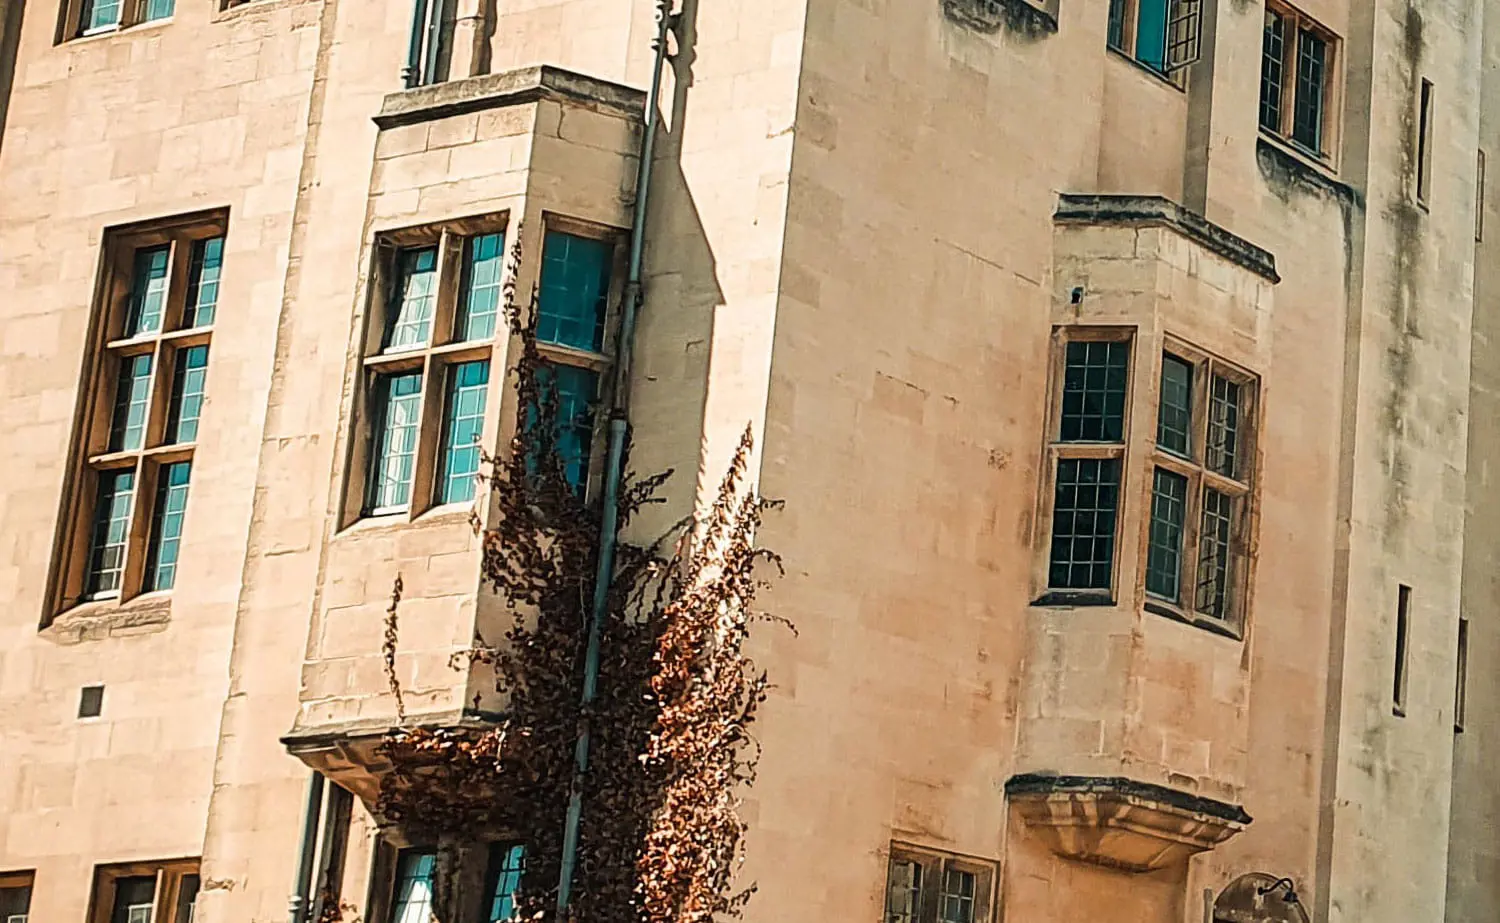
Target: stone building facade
[{"x": 1122, "y": 365}]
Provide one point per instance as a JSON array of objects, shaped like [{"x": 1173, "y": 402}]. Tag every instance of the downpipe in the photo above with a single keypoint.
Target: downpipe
[{"x": 619, "y": 430}]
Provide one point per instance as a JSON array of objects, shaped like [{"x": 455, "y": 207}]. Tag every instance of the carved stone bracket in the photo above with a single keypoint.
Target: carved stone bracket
[{"x": 1120, "y": 823}]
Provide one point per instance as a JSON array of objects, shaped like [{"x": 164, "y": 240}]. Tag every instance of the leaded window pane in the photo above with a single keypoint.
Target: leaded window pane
[
  {"x": 507, "y": 864},
  {"x": 1224, "y": 426},
  {"x": 957, "y": 900},
  {"x": 468, "y": 385},
  {"x": 1083, "y": 523},
  {"x": 398, "y": 402},
  {"x": 127, "y": 428},
  {"x": 1164, "y": 548},
  {"x": 413, "y": 299},
  {"x": 414, "y": 877},
  {"x": 187, "y": 395},
  {"x": 110, "y": 532},
  {"x": 1215, "y": 566},
  {"x": 1272, "y": 71},
  {"x": 903, "y": 891},
  {"x": 148, "y": 291},
  {"x": 1174, "y": 420},
  {"x": 1095, "y": 376},
  {"x": 203, "y": 282},
  {"x": 1307, "y": 109},
  {"x": 483, "y": 285},
  {"x": 157, "y": 9},
  {"x": 166, "y": 525},
  {"x": 574, "y": 291}
]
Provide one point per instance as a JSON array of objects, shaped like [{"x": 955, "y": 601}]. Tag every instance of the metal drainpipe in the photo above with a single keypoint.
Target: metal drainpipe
[
  {"x": 619, "y": 428},
  {"x": 306, "y": 849}
]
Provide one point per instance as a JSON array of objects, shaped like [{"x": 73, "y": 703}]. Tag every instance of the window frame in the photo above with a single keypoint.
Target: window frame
[
  {"x": 1200, "y": 477},
  {"x": 19, "y": 880},
  {"x": 171, "y": 877},
  {"x": 1124, "y": 19},
  {"x": 92, "y": 454},
  {"x": 1057, "y": 450},
  {"x": 1295, "y": 23},
  {"x": 935, "y": 864},
  {"x": 132, "y": 13}
]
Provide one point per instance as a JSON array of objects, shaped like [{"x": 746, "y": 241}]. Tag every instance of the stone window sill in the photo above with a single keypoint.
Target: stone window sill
[{"x": 109, "y": 618}]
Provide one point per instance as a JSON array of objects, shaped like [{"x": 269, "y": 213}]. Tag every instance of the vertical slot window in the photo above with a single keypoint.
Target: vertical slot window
[
  {"x": 1461, "y": 679},
  {"x": 1403, "y": 652},
  {"x": 1424, "y": 143},
  {"x": 398, "y": 408}
]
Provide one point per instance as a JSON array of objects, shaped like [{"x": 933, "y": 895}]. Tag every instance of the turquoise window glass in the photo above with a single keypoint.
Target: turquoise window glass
[
  {"x": 398, "y": 402},
  {"x": 187, "y": 394},
  {"x": 166, "y": 525},
  {"x": 413, "y": 299},
  {"x": 483, "y": 281},
  {"x": 127, "y": 427},
  {"x": 463, "y": 424},
  {"x": 574, "y": 290},
  {"x": 100, "y": 14},
  {"x": 203, "y": 282},
  {"x": 110, "y": 532},
  {"x": 574, "y": 389},
  {"x": 414, "y": 877},
  {"x": 507, "y": 863},
  {"x": 148, "y": 291}
]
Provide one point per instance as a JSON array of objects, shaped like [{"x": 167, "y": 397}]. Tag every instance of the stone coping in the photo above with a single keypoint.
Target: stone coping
[
  {"x": 1157, "y": 211},
  {"x": 321, "y": 735},
  {"x": 507, "y": 88},
  {"x": 1119, "y": 786}
]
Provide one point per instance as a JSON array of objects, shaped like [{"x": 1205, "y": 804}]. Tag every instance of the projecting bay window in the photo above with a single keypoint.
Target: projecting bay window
[
  {"x": 930, "y": 887},
  {"x": 1086, "y": 458},
  {"x": 146, "y": 892},
  {"x": 1296, "y": 80},
  {"x": 141, "y": 410},
  {"x": 430, "y": 382},
  {"x": 1200, "y": 489}
]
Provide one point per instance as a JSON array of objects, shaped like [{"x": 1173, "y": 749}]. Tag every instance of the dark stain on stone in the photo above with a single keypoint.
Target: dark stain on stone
[{"x": 1017, "y": 17}]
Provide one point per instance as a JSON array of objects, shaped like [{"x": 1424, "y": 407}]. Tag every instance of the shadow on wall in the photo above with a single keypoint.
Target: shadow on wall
[{"x": 683, "y": 296}]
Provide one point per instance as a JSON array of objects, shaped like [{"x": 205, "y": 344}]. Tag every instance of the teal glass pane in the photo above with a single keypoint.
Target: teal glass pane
[
  {"x": 148, "y": 291},
  {"x": 1151, "y": 34},
  {"x": 166, "y": 525},
  {"x": 157, "y": 9},
  {"x": 463, "y": 424},
  {"x": 1164, "y": 542},
  {"x": 482, "y": 288},
  {"x": 398, "y": 402},
  {"x": 574, "y": 291},
  {"x": 110, "y": 532},
  {"x": 1174, "y": 416},
  {"x": 414, "y": 876},
  {"x": 413, "y": 299},
  {"x": 203, "y": 281},
  {"x": 127, "y": 427},
  {"x": 135, "y": 899},
  {"x": 100, "y": 14},
  {"x": 574, "y": 389},
  {"x": 507, "y": 863},
  {"x": 187, "y": 394}
]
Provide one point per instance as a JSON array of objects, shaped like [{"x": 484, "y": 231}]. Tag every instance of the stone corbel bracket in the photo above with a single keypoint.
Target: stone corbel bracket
[{"x": 1120, "y": 823}]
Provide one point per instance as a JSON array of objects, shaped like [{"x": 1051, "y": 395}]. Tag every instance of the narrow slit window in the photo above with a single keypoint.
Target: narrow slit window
[
  {"x": 464, "y": 423},
  {"x": 413, "y": 299},
  {"x": 1424, "y": 143},
  {"x": 188, "y": 385},
  {"x": 166, "y": 526},
  {"x": 1403, "y": 653},
  {"x": 1479, "y": 197},
  {"x": 483, "y": 288},
  {"x": 203, "y": 283},
  {"x": 399, "y": 403},
  {"x": 110, "y": 533},
  {"x": 1461, "y": 679},
  {"x": 132, "y": 396}
]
